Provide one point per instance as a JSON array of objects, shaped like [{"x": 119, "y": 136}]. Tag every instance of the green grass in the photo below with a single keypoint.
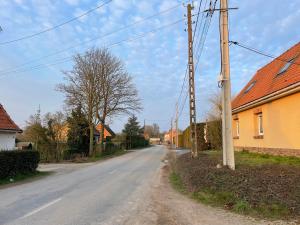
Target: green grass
[
  {"x": 227, "y": 200},
  {"x": 257, "y": 159},
  {"x": 177, "y": 182},
  {"x": 213, "y": 198},
  {"x": 23, "y": 177}
]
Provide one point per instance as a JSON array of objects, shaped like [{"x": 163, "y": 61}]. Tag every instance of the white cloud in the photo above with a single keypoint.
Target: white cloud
[
  {"x": 145, "y": 7},
  {"x": 19, "y": 2},
  {"x": 72, "y": 2}
]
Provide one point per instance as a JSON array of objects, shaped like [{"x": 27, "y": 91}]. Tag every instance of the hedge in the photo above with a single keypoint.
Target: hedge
[
  {"x": 18, "y": 162},
  {"x": 136, "y": 142}
]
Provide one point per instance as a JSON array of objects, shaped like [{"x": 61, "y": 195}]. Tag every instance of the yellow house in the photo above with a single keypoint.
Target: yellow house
[{"x": 266, "y": 113}]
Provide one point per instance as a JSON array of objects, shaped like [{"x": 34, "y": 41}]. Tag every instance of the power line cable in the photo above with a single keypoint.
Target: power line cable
[
  {"x": 56, "y": 26},
  {"x": 185, "y": 77},
  {"x": 93, "y": 39},
  {"x": 195, "y": 31},
  {"x": 109, "y": 46},
  {"x": 201, "y": 22},
  {"x": 205, "y": 32},
  {"x": 183, "y": 106},
  {"x": 201, "y": 42},
  {"x": 262, "y": 53},
  {"x": 198, "y": 13}
]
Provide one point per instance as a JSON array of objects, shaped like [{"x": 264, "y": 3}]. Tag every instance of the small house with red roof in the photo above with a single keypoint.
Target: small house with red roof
[
  {"x": 108, "y": 133},
  {"x": 266, "y": 113},
  {"x": 8, "y": 131}
]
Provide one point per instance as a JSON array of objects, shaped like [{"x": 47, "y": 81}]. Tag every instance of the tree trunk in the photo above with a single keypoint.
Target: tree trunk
[
  {"x": 91, "y": 147},
  {"x": 102, "y": 136}
]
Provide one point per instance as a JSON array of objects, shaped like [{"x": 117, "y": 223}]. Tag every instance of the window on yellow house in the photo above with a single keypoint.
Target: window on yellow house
[
  {"x": 237, "y": 128},
  {"x": 260, "y": 124}
]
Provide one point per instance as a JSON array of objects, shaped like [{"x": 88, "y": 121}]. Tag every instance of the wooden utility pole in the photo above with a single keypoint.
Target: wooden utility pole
[
  {"x": 228, "y": 151},
  {"x": 176, "y": 124},
  {"x": 193, "y": 130}
]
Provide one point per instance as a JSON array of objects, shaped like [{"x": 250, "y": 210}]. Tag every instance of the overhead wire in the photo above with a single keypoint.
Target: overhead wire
[
  {"x": 204, "y": 33},
  {"x": 91, "y": 40},
  {"x": 109, "y": 46},
  {"x": 201, "y": 42},
  {"x": 194, "y": 33},
  {"x": 56, "y": 26},
  {"x": 262, "y": 53}
]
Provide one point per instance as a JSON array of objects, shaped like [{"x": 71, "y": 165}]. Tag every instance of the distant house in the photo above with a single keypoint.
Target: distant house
[
  {"x": 154, "y": 141},
  {"x": 266, "y": 113},
  {"x": 108, "y": 133},
  {"x": 8, "y": 131},
  {"x": 170, "y": 135}
]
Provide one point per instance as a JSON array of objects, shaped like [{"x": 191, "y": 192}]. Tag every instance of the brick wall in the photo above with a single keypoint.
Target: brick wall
[{"x": 271, "y": 151}]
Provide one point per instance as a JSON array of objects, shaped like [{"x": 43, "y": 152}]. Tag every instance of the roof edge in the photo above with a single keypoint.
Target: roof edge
[
  {"x": 292, "y": 89},
  {"x": 12, "y": 130}
]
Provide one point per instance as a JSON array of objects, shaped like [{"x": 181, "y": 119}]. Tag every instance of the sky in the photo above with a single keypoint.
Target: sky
[{"x": 157, "y": 61}]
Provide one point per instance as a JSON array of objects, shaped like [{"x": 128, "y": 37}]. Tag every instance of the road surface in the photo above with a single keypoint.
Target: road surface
[{"x": 102, "y": 193}]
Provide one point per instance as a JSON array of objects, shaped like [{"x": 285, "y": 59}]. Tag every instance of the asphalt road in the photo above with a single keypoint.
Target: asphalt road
[{"x": 102, "y": 193}]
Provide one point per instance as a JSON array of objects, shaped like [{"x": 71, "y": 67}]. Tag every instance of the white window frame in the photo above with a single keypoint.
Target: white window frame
[
  {"x": 260, "y": 124},
  {"x": 237, "y": 127}
]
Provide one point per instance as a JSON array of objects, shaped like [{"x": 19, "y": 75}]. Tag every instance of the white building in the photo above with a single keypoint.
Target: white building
[{"x": 8, "y": 131}]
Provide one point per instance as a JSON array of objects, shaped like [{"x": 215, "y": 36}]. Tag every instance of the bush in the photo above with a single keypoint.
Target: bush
[
  {"x": 136, "y": 142},
  {"x": 53, "y": 152},
  {"x": 110, "y": 149},
  {"x": 18, "y": 162}
]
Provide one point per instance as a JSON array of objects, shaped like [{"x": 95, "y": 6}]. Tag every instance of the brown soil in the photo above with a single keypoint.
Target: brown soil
[
  {"x": 173, "y": 208},
  {"x": 260, "y": 186}
]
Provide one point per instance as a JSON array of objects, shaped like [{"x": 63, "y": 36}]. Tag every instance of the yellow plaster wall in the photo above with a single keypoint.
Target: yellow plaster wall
[{"x": 281, "y": 123}]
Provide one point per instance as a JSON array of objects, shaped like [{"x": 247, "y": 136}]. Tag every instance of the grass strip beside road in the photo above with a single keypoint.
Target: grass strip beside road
[
  {"x": 262, "y": 186},
  {"x": 21, "y": 178},
  {"x": 98, "y": 157}
]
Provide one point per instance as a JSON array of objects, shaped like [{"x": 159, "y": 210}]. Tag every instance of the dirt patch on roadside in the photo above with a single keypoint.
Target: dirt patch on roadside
[
  {"x": 268, "y": 190},
  {"x": 173, "y": 208}
]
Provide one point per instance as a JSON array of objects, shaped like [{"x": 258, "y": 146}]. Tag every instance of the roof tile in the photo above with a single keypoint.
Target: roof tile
[
  {"x": 6, "y": 123},
  {"x": 268, "y": 81}
]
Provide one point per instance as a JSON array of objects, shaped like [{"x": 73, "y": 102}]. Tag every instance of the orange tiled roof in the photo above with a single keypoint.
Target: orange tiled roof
[
  {"x": 107, "y": 130},
  {"x": 268, "y": 79},
  {"x": 6, "y": 123}
]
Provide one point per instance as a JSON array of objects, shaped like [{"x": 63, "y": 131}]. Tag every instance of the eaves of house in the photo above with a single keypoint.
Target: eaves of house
[{"x": 277, "y": 79}]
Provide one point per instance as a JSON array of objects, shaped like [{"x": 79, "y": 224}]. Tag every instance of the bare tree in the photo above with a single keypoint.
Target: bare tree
[
  {"x": 152, "y": 131},
  {"x": 82, "y": 87},
  {"x": 116, "y": 90},
  {"x": 100, "y": 84}
]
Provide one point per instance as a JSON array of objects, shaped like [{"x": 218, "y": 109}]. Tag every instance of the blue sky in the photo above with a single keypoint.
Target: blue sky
[{"x": 156, "y": 62}]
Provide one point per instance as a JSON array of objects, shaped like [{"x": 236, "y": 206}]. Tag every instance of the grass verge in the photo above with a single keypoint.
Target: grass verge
[
  {"x": 257, "y": 159},
  {"x": 262, "y": 186},
  {"x": 99, "y": 157},
  {"x": 19, "y": 178}
]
